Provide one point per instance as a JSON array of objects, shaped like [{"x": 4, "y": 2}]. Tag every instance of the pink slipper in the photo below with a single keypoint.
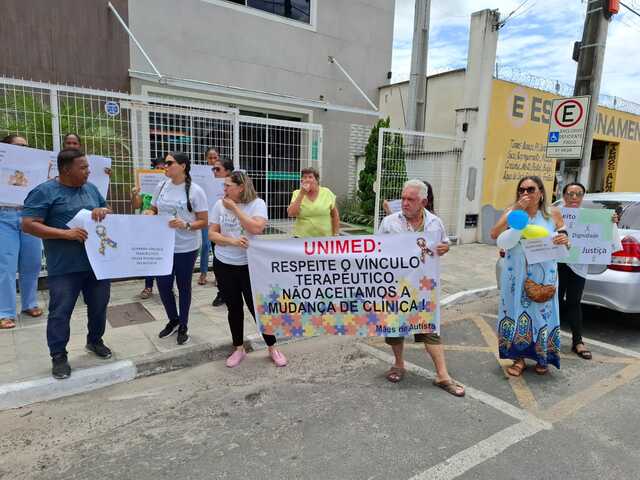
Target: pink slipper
[
  {"x": 278, "y": 358},
  {"x": 235, "y": 358}
]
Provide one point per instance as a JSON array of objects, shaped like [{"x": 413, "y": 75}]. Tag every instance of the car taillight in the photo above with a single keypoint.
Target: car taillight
[{"x": 627, "y": 259}]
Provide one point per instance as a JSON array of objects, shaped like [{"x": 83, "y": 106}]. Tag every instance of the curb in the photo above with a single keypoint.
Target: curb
[
  {"x": 21, "y": 394},
  {"x": 467, "y": 296}
]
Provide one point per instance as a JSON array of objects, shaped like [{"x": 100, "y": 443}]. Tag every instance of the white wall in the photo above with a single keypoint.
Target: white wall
[
  {"x": 206, "y": 41},
  {"x": 444, "y": 95}
]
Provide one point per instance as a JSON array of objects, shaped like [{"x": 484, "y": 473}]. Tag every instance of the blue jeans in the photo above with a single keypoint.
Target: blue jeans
[
  {"x": 183, "y": 264},
  {"x": 204, "y": 251},
  {"x": 148, "y": 282},
  {"x": 21, "y": 253},
  {"x": 63, "y": 295}
]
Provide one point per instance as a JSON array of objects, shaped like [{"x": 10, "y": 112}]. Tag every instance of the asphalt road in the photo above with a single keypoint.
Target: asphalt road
[{"x": 331, "y": 415}]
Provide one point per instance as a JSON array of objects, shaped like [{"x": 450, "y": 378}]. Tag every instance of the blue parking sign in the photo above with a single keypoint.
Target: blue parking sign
[
  {"x": 554, "y": 137},
  {"x": 112, "y": 108}
]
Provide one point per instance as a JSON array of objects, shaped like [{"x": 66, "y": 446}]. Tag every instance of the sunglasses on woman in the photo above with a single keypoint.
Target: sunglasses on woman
[
  {"x": 529, "y": 190},
  {"x": 575, "y": 194},
  {"x": 168, "y": 163}
]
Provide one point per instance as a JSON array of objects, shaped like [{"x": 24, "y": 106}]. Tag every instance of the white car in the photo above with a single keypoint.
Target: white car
[{"x": 615, "y": 286}]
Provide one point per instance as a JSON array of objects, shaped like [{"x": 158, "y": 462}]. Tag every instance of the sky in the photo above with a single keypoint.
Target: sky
[{"x": 537, "y": 40}]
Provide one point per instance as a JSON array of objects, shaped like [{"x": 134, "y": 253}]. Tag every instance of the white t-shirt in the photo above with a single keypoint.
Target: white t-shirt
[
  {"x": 230, "y": 227},
  {"x": 171, "y": 199},
  {"x": 397, "y": 223}
]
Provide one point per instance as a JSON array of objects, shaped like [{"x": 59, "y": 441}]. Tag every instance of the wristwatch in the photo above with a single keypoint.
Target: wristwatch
[{"x": 188, "y": 226}]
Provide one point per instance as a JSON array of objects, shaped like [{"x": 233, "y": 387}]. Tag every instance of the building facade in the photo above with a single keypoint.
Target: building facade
[
  {"x": 271, "y": 63},
  {"x": 267, "y": 60},
  {"x": 518, "y": 126}
]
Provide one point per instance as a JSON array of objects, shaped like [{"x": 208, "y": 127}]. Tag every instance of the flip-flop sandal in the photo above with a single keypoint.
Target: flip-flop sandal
[
  {"x": 540, "y": 370},
  {"x": 395, "y": 374},
  {"x": 146, "y": 293},
  {"x": 6, "y": 324},
  {"x": 516, "y": 369},
  {"x": 452, "y": 387},
  {"x": 33, "y": 312},
  {"x": 585, "y": 354},
  {"x": 202, "y": 281}
]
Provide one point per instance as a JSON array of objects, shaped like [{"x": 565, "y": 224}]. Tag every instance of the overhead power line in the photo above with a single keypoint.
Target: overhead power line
[{"x": 630, "y": 9}]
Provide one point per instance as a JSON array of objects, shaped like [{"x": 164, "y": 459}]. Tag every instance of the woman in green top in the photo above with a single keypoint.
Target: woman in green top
[{"x": 314, "y": 208}]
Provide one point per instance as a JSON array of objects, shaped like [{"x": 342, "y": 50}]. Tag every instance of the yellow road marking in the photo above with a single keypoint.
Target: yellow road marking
[
  {"x": 518, "y": 384},
  {"x": 455, "y": 348},
  {"x": 575, "y": 402}
]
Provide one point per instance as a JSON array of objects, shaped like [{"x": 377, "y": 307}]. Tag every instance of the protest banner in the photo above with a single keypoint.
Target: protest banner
[
  {"x": 377, "y": 285},
  {"x": 21, "y": 170},
  {"x": 590, "y": 234},
  {"x": 123, "y": 246},
  {"x": 540, "y": 250},
  {"x": 213, "y": 187},
  {"x": 148, "y": 179}
]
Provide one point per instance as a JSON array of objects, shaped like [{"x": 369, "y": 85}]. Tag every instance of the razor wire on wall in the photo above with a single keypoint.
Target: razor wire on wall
[{"x": 516, "y": 75}]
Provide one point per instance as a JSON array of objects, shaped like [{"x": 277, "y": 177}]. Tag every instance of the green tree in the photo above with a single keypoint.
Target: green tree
[{"x": 366, "y": 195}]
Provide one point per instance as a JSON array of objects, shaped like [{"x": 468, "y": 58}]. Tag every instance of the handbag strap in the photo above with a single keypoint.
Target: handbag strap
[{"x": 526, "y": 263}]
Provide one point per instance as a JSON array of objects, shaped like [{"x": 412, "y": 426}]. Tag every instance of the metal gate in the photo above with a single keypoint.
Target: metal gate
[
  {"x": 273, "y": 152},
  {"x": 437, "y": 159},
  {"x": 129, "y": 129},
  {"x": 133, "y": 129}
]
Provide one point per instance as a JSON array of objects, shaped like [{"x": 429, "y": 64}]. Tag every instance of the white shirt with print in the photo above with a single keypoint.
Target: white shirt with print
[
  {"x": 230, "y": 227},
  {"x": 171, "y": 199}
]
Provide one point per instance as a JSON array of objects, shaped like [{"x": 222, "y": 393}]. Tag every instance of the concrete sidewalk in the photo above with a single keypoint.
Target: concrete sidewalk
[{"x": 137, "y": 351}]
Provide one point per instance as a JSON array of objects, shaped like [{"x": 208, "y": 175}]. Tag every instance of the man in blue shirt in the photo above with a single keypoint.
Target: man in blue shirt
[{"x": 47, "y": 210}]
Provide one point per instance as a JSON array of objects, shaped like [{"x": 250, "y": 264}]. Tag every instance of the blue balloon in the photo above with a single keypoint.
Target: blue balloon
[{"x": 518, "y": 219}]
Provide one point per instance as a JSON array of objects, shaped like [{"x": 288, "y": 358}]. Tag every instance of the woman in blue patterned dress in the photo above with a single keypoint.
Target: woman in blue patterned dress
[{"x": 528, "y": 329}]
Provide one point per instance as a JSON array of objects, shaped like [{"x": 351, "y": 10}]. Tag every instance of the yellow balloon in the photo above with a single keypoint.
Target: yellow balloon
[{"x": 534, "y": 231}]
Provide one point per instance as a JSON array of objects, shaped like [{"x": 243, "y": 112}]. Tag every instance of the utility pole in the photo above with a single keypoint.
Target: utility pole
[
  {"x": 589, "y": 72},
  {"x": 418, "y": 76}
]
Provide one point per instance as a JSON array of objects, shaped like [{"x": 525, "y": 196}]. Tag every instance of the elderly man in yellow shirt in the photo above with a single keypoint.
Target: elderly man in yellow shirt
[{"x": 314, "y": 208}]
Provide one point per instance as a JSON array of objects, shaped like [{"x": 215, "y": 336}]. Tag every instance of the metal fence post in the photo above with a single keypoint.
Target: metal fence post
[{"x": 55, "y": 119}]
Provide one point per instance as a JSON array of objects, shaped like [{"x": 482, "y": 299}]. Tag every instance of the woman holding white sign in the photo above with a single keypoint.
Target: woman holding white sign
[
  {"x": 186, "y": 203},
  {"x": 235, "y": 220},
  {"x": 528, "y": 321},
  {"x": 19, "y": 253},
  {"x": 572, "y": 278}
]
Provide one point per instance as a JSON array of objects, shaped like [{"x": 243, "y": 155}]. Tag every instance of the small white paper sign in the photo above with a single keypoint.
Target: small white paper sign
[
  {"x": 394, "y": 205},
  {"x": 149, "y": 180},
  {"x": 97, "y": 175},
  {"x": 123, "y": 246},
  {"x": 543, "y": 250},
  {"x": 213, "y": 187},
  {"x": 80, "y": 220},
  {"x": 21, "y": 170}
]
